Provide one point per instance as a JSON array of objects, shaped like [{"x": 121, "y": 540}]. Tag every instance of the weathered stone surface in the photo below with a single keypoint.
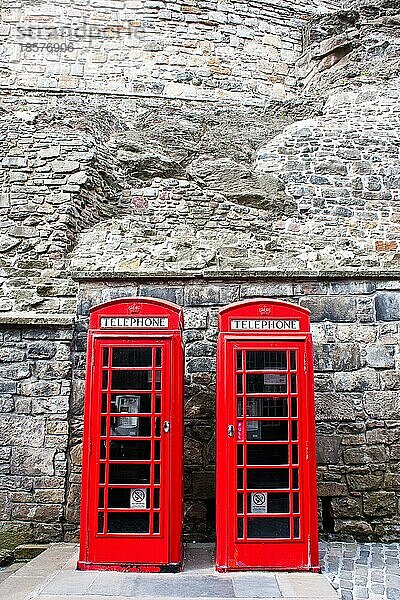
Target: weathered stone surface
[
  {"x": 357, "y": 381},
  {"x": 378, "y": 504},
  {"x": 32, "y": 461},
  {"x": 388, "y": 306},
  {"x": 381, "y": 357},
  {"x": 382, "y": 405},
  {"x": 334, "y": 406},
  {"x": 328, "y": 449},
  {"x": 340, "y": 309}
]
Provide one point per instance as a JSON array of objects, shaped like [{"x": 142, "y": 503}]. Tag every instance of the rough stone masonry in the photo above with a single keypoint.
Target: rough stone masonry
[{"x": 202, "y": 152}]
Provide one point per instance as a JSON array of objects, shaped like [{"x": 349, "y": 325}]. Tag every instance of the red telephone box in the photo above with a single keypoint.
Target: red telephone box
[
  {"x": 131, "y": 510},
  {"x": 266, "y": 465}
]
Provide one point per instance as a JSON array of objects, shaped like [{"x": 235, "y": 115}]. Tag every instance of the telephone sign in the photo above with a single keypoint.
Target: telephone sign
[
  {"x": 131, "y": 511},
  {"x": 266, "y": 466}
]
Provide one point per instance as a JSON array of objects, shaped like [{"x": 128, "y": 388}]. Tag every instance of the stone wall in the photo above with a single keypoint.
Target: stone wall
[
  {"x": 35, "y": 387},
  {"x": 186, "y": 48},
  {"x": 355, "y": 328}
]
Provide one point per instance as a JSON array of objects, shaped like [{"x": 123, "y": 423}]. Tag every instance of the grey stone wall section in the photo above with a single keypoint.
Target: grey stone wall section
[
  {"x": 35, "y": 388},
  {"x": 357, "y": 396}
]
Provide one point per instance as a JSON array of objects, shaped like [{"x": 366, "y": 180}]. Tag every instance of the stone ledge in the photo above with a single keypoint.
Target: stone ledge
[
  {"x": 232, "y": 275},
  {"x": 31, "y": 318}
]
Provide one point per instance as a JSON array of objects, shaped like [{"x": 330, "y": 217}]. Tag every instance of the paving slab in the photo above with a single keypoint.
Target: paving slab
[{"x": 53, "y": 576}]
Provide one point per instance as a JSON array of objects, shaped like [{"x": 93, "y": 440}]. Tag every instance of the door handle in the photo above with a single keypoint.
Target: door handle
[
  {"x": 166, "y": 426},
  {"x": 231, "y": 430}
]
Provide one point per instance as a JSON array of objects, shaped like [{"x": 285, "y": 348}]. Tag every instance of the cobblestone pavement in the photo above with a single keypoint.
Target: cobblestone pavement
[{"x": 362, "y": 571}]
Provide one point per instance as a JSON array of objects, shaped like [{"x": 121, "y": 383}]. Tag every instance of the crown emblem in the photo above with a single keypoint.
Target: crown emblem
[
  {"x": 264, "y": 310},
  {"x": 134, "y": 309}
]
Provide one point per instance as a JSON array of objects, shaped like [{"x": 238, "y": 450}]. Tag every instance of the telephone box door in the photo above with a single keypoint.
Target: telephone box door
[
  {"x": 132, "y": 489},
  {"x": 266, "y": 480}
]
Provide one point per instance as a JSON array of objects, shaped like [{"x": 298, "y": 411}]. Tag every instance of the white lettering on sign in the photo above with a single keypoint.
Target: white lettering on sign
[
  {"x": 138, "y": 498},
  {"x": 266, "y": 324},
  {"x": 259, "y": 502},
  {"x": 133, "y": 322}
]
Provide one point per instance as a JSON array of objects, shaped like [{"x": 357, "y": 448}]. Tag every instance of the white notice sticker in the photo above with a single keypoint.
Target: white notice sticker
[
  {"x": 259, "y": 502},
  {"x": 138, "y": 498}
]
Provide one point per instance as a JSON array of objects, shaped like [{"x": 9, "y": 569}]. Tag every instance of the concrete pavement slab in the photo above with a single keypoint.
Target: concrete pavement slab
[
  {"x": 256, "y": 585},
  {"x": 305, "y": 585}
]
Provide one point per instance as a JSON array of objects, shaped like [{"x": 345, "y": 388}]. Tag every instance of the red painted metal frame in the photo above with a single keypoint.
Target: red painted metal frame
[
  {"x": 233, "y": 553},
  {"x": 148, "y": 552}
]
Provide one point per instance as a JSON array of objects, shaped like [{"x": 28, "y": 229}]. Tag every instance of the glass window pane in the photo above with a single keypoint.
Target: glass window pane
[
  {"x": 128, "y": 522},
  {"x": 240, "y": 528},
  {"x": 158, "y": 380},
  {"x": 295, "y": 478},
  {"x": 102, "y": 473},
  {"x": 103, "y": 426},
  {"x": 158, "y": 404},
  {"x": 156, "y": 498},
  {"x": 156, "y": 474},
  {"x": 128, "y": 498},
  {"x": 267, "y": 407},
  {"x": 158, "y": 357},
  {"x": 156, "y": 523},
  {"x": 239, "y": 384},
  {"x": 278, "y": 503},
  {"x": 293, "y": 384},
  {"x": 101, "y": 497},
  {"x": 239, "y": 360},
  {"x": 131, "y": 380},
  {"x": 127, "y": 450},
  {"x": 296, "y": 533},
  {"x": 257, "y": 360},
  {"x": 294, "y": 431},
  {"x": 268, "y": 502},
  {"x": 103, "y": 448},
  {"x": 259, "y": 527},
  {"x": 293, "y": 360},
  {"x": 294, "y": 407},
  {"x": 131, "y": 426},
  {"x": 267, "y": 478},
  {"x": 100, "y": 524},
  {"x": 157, "y": 450},
  {"x": 240, "y": 479},
  {"x": 157, "y": 432},
  {"x": 295, "y": 454},
  {"x": 105, "y": 357},
  {"x": 267, "y": 431},
  {"x": 240, "y": 407},
  {"x": 104, "y": 383},
  {"x": 266, "y": 383},
  {"x": 104, "y": 403},
  {"x": 131, "y": 403},
  {"x": 271, "y": 454},
  {"x": 129, "y": 474},
  {"x": 296, "y": 502},
  {"x": 132, "y": 357},
  {"x": 240, "y": 454},
  {"x": 240, "y": 503}
]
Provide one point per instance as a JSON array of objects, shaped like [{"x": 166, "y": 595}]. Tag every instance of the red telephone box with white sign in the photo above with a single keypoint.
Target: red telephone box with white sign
[
  {"x": 266, "y": 465},
  {"x": 131, "y": 511}
]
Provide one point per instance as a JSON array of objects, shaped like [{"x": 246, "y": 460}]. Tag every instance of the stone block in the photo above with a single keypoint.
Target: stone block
[
  {"x": 32, "y": 461},
  {"x": 390, "y": 380},
  {"x": 202, "y": 295},
  {"x": 23, "y": 430},
  {"x": 380, "y": 356},
  {"x": 201, "y": 349},
  {"x": 329, "y": 449},
  {"x": 335, "y": 407},
  {"x": 331, "y": 489},
  {"x": 365, "y": 480},
  {"x": 347, "y": 507},
  {"x": 337, "y": 309},
  {"x": 363, "y": 455},
  {"x": 356, "y": 381},
  {"x": 380, "y": 504},
  {"x": 382, "y": 405},
  {"x": 29, "y": 551},
  {"x": 387, "y": 306},
  {"x": 41, "y": 349},
  {"x": 50, "y": 405},
  {"x": 40, "y": 388},
  {"x": 201, "y": 364},
  {"x": 170, "y": 293},
  {"x": 195, "y": 318},
  {"x": 336, "y": 357},
  {"x": 280, "y": 290}
]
